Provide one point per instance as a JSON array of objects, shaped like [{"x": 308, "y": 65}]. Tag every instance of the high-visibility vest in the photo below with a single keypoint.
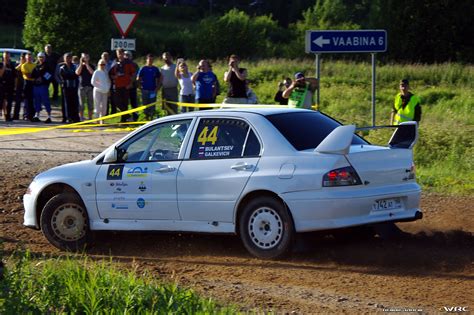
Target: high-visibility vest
[
  {"x": 298, "y": 96},
  {"x": 406, "y": 113}
]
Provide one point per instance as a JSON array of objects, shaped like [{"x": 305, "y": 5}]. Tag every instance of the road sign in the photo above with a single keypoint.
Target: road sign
[
  {"x": 125, "y": 43},
  {"x": 124, "y": 20},
  {"x": 359, "y": 41}
]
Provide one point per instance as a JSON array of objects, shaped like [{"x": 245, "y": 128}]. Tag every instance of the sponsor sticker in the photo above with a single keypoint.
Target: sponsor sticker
[
  {"x": 141, "y": 203},
  {"x": 137, "y": 172}
]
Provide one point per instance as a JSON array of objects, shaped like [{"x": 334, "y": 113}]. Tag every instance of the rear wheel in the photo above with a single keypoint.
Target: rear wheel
[
  {"x": 266, "y": 228},
  {"x": 65, "y": 223}
]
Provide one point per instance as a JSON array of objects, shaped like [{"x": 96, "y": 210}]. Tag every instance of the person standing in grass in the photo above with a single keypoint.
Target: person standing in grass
[
  {"x": 8, "y": 81},
  {"x": 149, "y": 81},
  {"x": 236, "y": 77},
  {"x": 279, "y": 94},
  {"x": 70, "y": 83},
  {"x": 133, "y": 90},
  {"x": 52, "y": 59},
  {"x": 186, "y": 93},
  {"x": 170, "y": 83},
  {"x": 407, "y": 105},
  {"x": 300, "y": 92},
  {"x": 121, "y": 74},
  {"x": 42, "y": 78},
  {"x": 101, "y": 82},
  {"x": 26, "y": 71},
  {"x": 84, "y": 72},
  {"x": 205, "y": 82}
]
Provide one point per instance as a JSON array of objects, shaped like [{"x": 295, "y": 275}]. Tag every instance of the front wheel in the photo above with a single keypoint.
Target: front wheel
[
  {"x": 65, "y": 223},
  {"x": 266, "y": 228}
]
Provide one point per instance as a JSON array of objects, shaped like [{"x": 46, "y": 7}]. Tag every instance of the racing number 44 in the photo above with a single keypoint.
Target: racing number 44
[
  {"x": 205, "y": 137},
  {"x": 115, "y": 172}
]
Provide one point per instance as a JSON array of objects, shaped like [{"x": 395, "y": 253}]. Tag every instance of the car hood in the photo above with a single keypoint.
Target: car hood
[{"x": 84, "y": 170}]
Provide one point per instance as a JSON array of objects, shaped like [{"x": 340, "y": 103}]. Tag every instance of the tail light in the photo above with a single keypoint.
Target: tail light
[{"x": 345, "y": 176}]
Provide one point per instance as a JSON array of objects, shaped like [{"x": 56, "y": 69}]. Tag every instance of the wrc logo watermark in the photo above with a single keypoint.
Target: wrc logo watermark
[{"x": 454, "y": 309}]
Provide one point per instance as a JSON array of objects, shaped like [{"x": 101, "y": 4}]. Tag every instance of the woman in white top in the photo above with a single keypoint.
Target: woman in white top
[
  {"x": 101, "y": 82},
  {"x": 186, "y": 94}
]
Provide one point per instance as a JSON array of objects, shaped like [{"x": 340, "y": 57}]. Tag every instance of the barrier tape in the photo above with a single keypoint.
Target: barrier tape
[
  {"x": 88, "y": 123},
  {"x": 16, "y": 131}
]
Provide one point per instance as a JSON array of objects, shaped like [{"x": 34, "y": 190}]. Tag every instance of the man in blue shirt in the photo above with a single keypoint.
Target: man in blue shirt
[
  {"x": 149, "y": 79},
  {"x": 206, "y": 83}
]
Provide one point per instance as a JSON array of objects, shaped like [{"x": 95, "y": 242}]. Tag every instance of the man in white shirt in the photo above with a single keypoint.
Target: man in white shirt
[{"x": 169, "y": 84}]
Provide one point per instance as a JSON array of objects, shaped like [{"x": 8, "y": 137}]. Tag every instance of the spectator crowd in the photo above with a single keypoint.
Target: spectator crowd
[{"x": 111, "y": 85}]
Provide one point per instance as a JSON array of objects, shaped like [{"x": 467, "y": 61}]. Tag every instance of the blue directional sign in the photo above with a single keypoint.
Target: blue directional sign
[{"x": 346, "y": 41}]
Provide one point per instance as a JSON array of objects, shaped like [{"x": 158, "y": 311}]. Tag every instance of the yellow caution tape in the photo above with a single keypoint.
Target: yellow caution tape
[
  {"x": 88, "y": 123},
  {"x": 16, "y": 131}
]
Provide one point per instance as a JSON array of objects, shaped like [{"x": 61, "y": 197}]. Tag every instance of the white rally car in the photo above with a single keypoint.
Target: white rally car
[{"x": 265, "y": 174}]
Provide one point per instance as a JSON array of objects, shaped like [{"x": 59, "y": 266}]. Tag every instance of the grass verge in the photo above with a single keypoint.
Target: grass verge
[{"x": 82, "y": 286}]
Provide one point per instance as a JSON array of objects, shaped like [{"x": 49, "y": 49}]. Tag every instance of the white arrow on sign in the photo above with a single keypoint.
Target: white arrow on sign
[
  {"x": 320, "y": 41},
  {"x": 124, "y": 21}
]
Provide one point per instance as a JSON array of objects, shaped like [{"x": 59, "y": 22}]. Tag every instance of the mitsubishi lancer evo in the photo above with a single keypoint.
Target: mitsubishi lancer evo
[{"x": 264, "y": 174}]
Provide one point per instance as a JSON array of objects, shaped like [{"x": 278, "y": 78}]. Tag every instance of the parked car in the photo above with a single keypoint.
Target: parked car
[
  {"x": 14, "y": 53},
  {"x": 264, "y": 174}
]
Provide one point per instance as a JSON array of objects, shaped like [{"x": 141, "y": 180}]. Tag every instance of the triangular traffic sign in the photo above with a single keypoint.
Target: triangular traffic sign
[{"x": 124, "y": 20}]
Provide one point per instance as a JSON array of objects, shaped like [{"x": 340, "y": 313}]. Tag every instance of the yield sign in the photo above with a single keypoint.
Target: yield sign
[{"x": 124, "y": 20}]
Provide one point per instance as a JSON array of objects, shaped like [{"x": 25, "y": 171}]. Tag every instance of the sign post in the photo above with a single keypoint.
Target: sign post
[
  {"x": 123, "y": 21},
  {"x": 339, "y": 41}
]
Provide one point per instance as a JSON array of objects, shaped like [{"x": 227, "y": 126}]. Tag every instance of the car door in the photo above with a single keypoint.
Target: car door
[
  {"x": 224, "y": 153},
  {"x": 142, "y": 184}
]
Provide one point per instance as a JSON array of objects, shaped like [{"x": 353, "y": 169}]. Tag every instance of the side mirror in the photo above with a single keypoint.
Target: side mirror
[{"x": 111, "y": 156}]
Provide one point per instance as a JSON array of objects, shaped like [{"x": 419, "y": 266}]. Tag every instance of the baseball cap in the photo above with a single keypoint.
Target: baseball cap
[
  {"x": 404, "y": 81},
  {"x": 41, "y": 54},
  {"x": 299, "y": 75}
]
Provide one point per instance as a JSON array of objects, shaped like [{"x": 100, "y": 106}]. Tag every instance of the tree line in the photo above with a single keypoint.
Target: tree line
[{"x": 425, "y": 31}]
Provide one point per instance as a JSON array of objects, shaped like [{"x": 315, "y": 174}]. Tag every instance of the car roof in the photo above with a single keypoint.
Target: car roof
[{"x": 271, "y": 110}]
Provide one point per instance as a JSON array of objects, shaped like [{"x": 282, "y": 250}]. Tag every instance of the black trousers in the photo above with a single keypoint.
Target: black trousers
[
  {"x": 133, "y": 101},
  {"x": 71, "y": 100},
  {"x": 8, "y": 93},
  {"x": 55, "y": 89},
  {"x": 29, "y": 112},
  {"x": 121, "y": 96}
]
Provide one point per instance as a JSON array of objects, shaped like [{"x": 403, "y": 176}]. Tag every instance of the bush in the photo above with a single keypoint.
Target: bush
[
  {"x": 235, "y": 33},
  {"x": 75, "y": 26}
]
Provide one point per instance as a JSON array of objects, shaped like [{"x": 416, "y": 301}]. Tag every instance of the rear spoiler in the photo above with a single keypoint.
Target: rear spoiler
[
  {"x": 340, "y": 139},
  {"x": 404, "y": 137}
]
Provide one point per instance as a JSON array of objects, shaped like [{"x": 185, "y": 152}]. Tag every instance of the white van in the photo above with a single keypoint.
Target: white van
[{"x": 14, "y": 53}]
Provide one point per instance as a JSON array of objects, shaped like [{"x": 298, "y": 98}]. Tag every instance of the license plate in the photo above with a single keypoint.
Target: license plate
[{"x": 386, "y": 204}]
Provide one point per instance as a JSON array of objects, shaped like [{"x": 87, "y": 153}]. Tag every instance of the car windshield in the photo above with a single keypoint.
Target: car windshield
[{"x": 306, "y": 130}]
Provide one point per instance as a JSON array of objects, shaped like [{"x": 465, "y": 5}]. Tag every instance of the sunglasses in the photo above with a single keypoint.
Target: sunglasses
[{"x": 102, "y": 64}]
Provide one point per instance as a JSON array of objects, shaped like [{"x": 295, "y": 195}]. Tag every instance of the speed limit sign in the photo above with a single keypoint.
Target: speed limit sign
[{"x": 125, "y": 43}]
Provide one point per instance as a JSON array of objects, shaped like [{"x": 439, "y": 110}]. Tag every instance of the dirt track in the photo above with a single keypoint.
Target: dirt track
[{"x": 429, "y": 267}]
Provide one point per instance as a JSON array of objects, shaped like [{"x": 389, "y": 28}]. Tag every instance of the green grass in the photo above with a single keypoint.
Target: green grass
[{"x": 71, "y": 285}]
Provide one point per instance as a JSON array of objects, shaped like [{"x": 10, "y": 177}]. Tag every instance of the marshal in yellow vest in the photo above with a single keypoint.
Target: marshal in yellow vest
[{"x": 407, "y": 113}]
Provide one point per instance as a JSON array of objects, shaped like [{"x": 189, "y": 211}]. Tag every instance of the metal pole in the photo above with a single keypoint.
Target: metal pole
[
  {"x": 373, "y": 89},
  {"x": 318, "y": 76}
]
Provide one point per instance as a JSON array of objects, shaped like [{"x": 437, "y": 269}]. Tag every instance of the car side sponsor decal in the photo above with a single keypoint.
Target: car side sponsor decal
[
  {"x": 115, "y": 172},
  {"x": 138, "y": 172},
  {"x": 141, "y": 203}
]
